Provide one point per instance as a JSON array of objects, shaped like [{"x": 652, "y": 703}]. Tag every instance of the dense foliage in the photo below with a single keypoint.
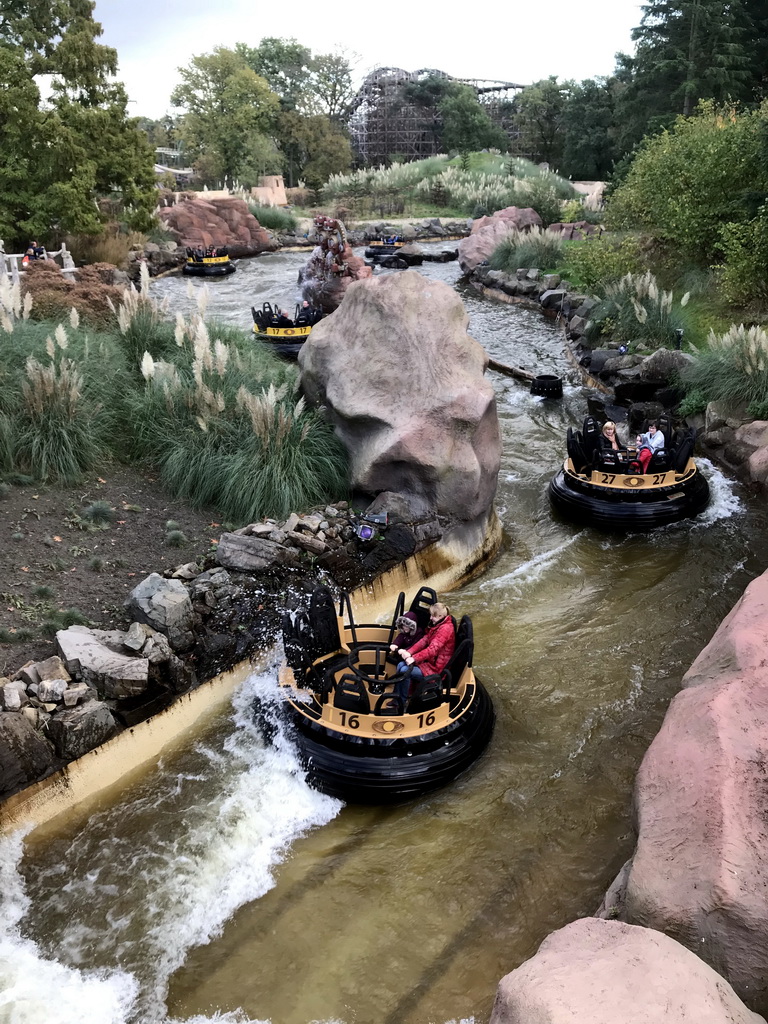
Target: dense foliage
[{"x": 61, "y": 154}]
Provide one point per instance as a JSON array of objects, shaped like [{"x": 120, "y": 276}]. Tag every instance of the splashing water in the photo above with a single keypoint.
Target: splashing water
[{"x": 216, "y": 822}]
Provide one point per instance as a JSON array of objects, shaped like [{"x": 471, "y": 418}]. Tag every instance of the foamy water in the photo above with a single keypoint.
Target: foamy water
[{"x": 233, "y": 810}]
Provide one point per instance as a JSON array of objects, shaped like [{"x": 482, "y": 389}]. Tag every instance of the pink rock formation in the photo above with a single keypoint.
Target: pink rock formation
[
  {"x": 204, "y": 222},
  {"x": 403, "y": 383},
  {"x": 578, "y": 229},
  {"x": 487, "y": 232},
  {"x": 700, "y": 870},
  {"x": 605, "y": 972}
]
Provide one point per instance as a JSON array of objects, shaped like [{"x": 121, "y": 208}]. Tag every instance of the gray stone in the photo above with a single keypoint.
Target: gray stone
[
  {"x": 137, "y": 635},
  {"x": 24, "y": 755},
  {"x": 307, "y": 542},
  {"x": 11, "y": 698},
  {"x": 533, "y": 274},
  {"x": 166, "y": 606},
  {"x": 426, "y": 533},
  {"x": 214, "y": 577},
  {"x": 32, "y": 715},
  {"x": 552, "y": 298},
  {"x": 77, "y": 694},
  {"x": 331, "y": 512},
  {"x": 247, "y": 554},
  {"x": 261, "y": 529},
  {"x": 77, "y": 730},
  {"x": 52, "y": 690},
  {"x": 521, "y": 273},
  {"x": 577, "y": 325},
  {"x": 551, "y": 280},
  {"x": 617, "y": 363},
  {"x": 585, "y": 308},
  {"x": 526, "y": 287},
  {"x": 277, "y": 537},
  {"x": 665, "y": 365},
  {"x": 52, "y": 668},
  {"x": 28, "y": 673},
  {"x": 111, "y": 674},
  {"x": 291, "y": 523},
  {"x": 311, "y": 523},
  {"x": 399, "y": 507},
  {"x": 188, "y": 571}
]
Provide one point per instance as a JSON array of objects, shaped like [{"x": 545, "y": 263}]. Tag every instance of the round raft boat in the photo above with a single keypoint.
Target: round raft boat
[
  {"x": 284, "y": 336},
  {"x": 382, "y": 248},
  {"x": 600, "y": 487},
  {"x": 356, "y": 738},
  {"x": 211, "y": 262}
]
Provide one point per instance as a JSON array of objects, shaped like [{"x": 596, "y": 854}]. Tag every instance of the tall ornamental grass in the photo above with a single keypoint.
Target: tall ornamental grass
[
  {"x": 274, "y": 218},
  {"x": 534, "y": 248},
  {"x": 635, "y": 310},
  {"x": 732, "y": 369},
  {"x": 225, "y": 428},
  {"x": 217, "y": 415}
]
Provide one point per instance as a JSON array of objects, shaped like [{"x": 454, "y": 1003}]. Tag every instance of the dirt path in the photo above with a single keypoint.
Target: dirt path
[{"x": 57, "y": 566}]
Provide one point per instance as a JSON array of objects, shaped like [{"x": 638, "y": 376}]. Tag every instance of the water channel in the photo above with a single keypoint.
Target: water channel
[{"x": 218, "y": 886}]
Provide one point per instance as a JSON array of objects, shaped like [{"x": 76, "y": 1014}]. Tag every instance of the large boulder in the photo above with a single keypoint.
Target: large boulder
[
  {"x": 113, "y": 674},
  {"x": 606, "y": 972},
  {"x": 403, "y": 384},
  {"x": 700, "y": 870},
  {"x": 488, "y": 232},
  {"x": 204, "y": 222},
  {"x": 24, "y": 755}
]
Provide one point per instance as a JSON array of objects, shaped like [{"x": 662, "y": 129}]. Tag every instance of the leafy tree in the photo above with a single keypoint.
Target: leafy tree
[
  {"x": 332, "y": 83},
  {"x": 588, "y": 124},
  {"x": 285, "y": 64},
  {"x": 466, "y": 125},
  {"x": 57, "y": 158},
  {"x": 314, "y": 148},
  {"x": 690, "y": 181},
  {"x": 230, "y": 114},
  {"x": 540, "y": 112}
]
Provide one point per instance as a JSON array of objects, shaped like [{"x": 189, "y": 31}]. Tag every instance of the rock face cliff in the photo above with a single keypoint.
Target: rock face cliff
[
  {"x": 403, "y": 384},
  {"x": 488, "y": 232},
  {"x": 204, "y": 222}
]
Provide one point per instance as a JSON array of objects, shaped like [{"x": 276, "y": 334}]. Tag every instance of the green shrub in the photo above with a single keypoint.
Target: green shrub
[
  {"x": 636, "y": 311},
  {"x": 600, "y": 260},
  {"x": 732, "y": 369},
  {"x": 694, "y": 403},
  {"x": 42, "y": 591},
  {"x": 171, "y": 524},
  {"x": 684, "y": 184},
  {"x": 175, "y": 539},
  {"x": 96, "y": 564},
  {"x": 63, "y": 619},
  {"x": 274, "y": 218},
  {"x": 745, "y": 247},
  {"x": 534, "y": 248}
]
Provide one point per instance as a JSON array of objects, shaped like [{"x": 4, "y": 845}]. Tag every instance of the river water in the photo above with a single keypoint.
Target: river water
[{"x": 218, "y": 886}]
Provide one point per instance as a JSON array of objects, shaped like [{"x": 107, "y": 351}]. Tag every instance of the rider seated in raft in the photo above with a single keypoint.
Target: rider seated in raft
[
  {"x": 410, "y": 633},
  {"x": 430, "y": 655},
  {"x": 647, "y": 444},
  {"x": 609, "y": 438}
]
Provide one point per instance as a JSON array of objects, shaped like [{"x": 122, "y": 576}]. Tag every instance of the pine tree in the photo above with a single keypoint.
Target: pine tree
[{"x": 687, "y": 50}]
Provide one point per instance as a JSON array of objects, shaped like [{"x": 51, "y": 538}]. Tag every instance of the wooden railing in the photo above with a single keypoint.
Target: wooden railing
[{"x": 11, "y": 265}]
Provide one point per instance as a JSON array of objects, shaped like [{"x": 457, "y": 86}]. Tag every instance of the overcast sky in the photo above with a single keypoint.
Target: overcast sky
[{"x": 512, "y": 40}]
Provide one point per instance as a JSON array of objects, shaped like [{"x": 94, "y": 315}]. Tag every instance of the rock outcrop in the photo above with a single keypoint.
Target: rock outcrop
[
  {"x": 700, "y": 870},
  {"x": 488, "y": 232},
  {"x": 403, "y": 384},
  {"x": 606, "y": 972},
  {"x": 204, "y": 222}
]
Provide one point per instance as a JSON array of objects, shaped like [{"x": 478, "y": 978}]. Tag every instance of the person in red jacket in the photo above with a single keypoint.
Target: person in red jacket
[{"x": 430, "y": 655}]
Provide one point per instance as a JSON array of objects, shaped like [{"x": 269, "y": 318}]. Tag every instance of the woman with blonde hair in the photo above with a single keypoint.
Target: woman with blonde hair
[
  {"x": 609, "y": 438},
  {"x": 431, "y": 654}
]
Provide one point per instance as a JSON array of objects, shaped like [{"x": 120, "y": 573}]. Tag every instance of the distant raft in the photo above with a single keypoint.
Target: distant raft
[
  {"x": 384, "y": 247},
  {"x": 600, "y": 487},
  {"x": 211, "y": 262},
  {"x": 284, "y": 335}
]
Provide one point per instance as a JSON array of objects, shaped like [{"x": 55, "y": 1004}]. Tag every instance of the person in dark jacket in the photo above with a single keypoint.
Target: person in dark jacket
[
  {"x": 409, "y": 634},
  {"x": 609, "y": 437},
  {"x": 430, "y": 655}
]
